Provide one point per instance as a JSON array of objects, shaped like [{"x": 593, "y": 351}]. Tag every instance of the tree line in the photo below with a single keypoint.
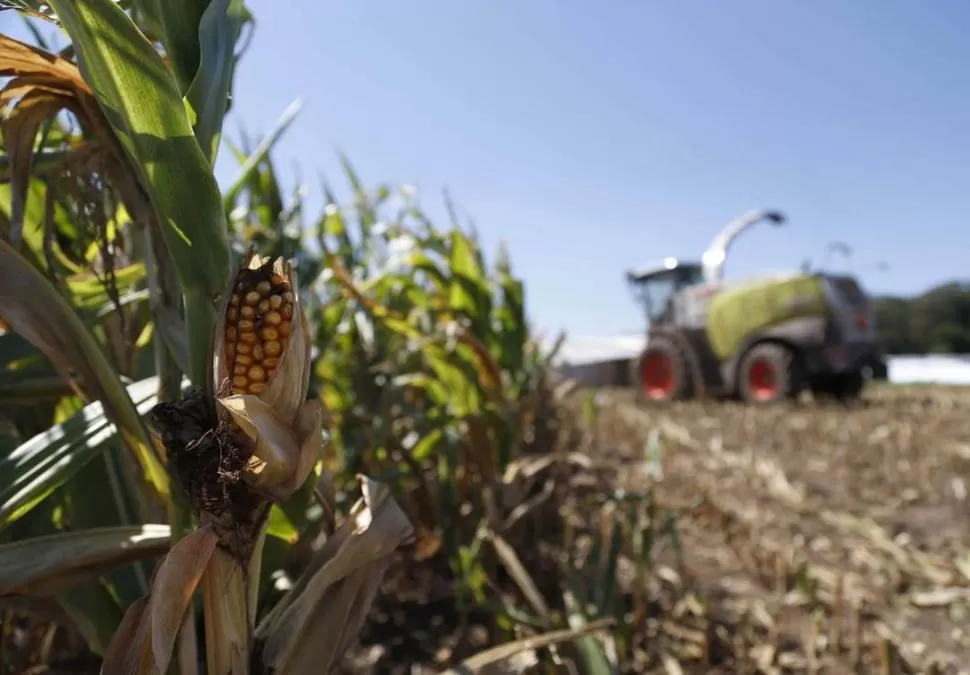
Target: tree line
[{"x": 935, "y": 322}]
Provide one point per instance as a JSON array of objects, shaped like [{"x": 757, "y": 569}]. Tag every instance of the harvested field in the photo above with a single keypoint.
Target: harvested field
[
  {"x": 812, "y": 538},
  {"x": 839, "y": 533}
]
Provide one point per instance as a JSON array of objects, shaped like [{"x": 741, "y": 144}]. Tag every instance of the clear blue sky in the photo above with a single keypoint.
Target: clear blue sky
[{"x": 592, "y": 137}]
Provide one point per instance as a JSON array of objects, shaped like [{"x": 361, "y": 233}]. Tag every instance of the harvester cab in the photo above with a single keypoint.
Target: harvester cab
[{"x": 762, "y": 339}]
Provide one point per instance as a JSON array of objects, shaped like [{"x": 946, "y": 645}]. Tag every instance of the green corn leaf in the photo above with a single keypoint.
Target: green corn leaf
[
  {"x": 48, "y": 460},
  {"x": 28, "y": 389},
  {"x": 88, "y": 289},
  {"x": 280, "y": 526},
  {"x": 178, "y": 24},
  {"x": 94, "y": 611},
  {"x": 256, "y": 157},
  {"x": 469, "y": 288},
  {"x": 45, "y": 566},
  {"x": 208, "y": 94},
  {"x": 143, "y": 104},
  {"x": 35, "y": 310}
]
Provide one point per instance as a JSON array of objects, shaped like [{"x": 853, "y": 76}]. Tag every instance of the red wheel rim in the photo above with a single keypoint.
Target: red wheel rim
[
  {"x": 762, "y": 379},
  {"x": 657, "y": 376}
]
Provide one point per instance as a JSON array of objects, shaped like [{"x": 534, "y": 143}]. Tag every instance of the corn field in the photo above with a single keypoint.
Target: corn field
[
  {"x": 240, "y": 438},
  {"x": 224, "y": 420}
]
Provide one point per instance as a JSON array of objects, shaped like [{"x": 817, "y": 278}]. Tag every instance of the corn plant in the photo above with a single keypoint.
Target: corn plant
[
  {"x": 134, "y": 300},
  {"x": 120, "y": 197}
]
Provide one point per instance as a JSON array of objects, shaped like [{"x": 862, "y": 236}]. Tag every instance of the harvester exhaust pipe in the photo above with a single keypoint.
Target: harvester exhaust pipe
[{"x": 716, "y": 253}]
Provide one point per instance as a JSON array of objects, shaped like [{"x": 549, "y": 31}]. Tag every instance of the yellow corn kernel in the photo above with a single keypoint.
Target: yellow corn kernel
[{"x": 258, "y": 325}]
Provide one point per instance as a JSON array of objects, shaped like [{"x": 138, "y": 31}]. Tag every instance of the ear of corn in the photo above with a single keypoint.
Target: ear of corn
[{"x": 262, "y": 373}]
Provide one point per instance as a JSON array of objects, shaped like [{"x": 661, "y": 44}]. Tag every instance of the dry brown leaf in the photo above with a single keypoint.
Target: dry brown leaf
[
  {"x": 130, "y": 650},
  {"x": 172, "y": 589},
  {"x": 43, "y": 84},
  {"x": 143, "y": 643},
  {"x": 329, "y": 604}
]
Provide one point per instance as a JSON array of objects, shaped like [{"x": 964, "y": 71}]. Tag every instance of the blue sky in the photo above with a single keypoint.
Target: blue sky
[{"x": 593, "y": 137}]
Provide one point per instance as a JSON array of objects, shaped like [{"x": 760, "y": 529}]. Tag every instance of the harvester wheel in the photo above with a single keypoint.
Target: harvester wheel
[
  {"x": 849, "y": 386},
  {"x": 662, "y": 372},
  {"x": 767, "y": 374}
]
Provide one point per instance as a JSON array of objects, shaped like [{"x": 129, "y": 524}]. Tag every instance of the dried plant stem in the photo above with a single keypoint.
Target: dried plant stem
[{"x": 225, "y": 603}]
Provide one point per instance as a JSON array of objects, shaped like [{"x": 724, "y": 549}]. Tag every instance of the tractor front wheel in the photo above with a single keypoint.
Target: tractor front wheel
[
  {"x": 663, "y": 373},
  {"x": 767, "y": 374}
]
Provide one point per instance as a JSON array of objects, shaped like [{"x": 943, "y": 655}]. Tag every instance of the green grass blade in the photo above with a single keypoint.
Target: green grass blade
[
  {"x": 49, "y": 459},
  {"x": 143, "y": 104},
  {"x": 35, "y": 310}
]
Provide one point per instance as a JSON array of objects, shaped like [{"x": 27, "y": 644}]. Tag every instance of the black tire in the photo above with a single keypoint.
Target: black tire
[
  {"x": 768, "y": 374},
  {"x": 838, "y": 387},
  {"x": 673, "y": 384},
  {"x": 849, "y": 386}
]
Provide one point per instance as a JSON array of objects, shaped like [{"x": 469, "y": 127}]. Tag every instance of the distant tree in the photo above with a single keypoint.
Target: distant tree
[{"x": 937, "y": 321}]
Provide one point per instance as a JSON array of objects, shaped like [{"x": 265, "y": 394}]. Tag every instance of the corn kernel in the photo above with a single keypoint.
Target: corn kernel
[{"x": 258, "y": 325}]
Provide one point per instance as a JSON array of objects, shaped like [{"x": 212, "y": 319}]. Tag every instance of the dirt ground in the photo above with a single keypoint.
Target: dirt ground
[
  {"x": 822, "y": 538},
  {"x": 812, "y": 539}
]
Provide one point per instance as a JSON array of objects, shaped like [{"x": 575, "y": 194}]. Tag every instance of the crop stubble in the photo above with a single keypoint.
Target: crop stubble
[{"x": 823, "y": 538}]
